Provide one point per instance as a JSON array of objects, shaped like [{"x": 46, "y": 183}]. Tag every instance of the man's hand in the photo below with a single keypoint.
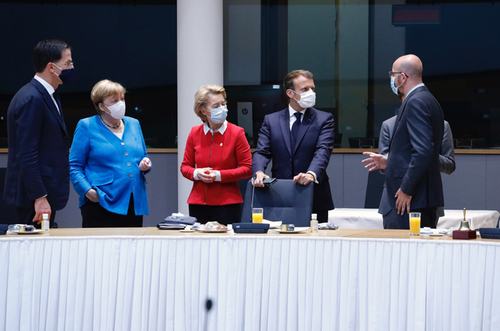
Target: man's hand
[
  {"x": 206, "y": 175},
  {"x": 42, "y": 206},
  {"x": 303, "y": 179},
  {"x": 259, "y": 177},
  {"x": 92, "y": 195},
  {"x": 375, "y": 161},
  {"x": 403, "y": 202}
]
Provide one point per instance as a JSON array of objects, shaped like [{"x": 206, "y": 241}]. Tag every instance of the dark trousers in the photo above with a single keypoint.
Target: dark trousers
[
  {"x": 226, "y": 214},
  {"x": 95, "y": 216},
  {"x": 322, "y": 215},
  {"x": 428, "y": 218},
  {"x": 26, "y": 217}
]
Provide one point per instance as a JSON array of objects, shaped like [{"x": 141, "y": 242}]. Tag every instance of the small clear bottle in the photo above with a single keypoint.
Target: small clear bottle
[
  {"x": 314, "y": 223},
  {"x": 45, "y": 222}
]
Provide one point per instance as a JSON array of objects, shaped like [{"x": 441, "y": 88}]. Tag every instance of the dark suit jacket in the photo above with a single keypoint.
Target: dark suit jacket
[
  {"x": 447, "y": 163},
  {"x": 38, "y": 162},
  {"x": 413, "y": 160},
  {"x": 313, "y": 151},
  {"x": 446, "y": 155}
]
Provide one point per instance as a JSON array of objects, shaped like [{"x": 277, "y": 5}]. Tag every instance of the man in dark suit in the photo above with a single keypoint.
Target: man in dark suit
[
  {"x": 447, "y": 163},
  {"x": 413, "y": 180},
  {"x": 299, "y": 141},
  {"x": 37, "y": 180}
]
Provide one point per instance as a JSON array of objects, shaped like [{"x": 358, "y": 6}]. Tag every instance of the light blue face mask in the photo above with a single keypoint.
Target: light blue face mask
[
  {"x": 393, "y": 87},
  {"x": 218, "y": 115}
]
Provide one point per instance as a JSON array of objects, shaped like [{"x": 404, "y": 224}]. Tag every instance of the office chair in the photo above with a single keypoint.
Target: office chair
[
  {"x": 374, "y": 189},
  {"x": 366, "y": 142},
  {"x": 337, "y": 139},
  {"x": 284, "y": 201},
  {"x": 472, "y": 143},
  {"x": 8, "y": 213}
]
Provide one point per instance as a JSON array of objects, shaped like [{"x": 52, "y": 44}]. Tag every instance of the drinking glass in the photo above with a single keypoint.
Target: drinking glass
[
  {"x": 414, "y": 224},
  {"x": 257, "y": 215}
]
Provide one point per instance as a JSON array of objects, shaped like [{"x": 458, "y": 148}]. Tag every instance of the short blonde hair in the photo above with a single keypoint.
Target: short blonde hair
[
  {"x": 201, "y": 97},
  {"x": 104, "y": 89}
]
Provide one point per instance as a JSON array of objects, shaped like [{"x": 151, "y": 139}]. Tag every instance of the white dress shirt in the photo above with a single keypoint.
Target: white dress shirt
[{"x": 49, "y": 89}]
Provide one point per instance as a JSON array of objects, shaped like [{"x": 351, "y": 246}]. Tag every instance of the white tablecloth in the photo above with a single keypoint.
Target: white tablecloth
[
  {"x": 288, "y": 282},
  {"x": 368, "y": 218}
]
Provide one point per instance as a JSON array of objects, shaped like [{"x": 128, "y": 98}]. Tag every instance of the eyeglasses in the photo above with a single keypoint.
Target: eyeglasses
[
  {"x": 394, "y": 73},
  {"x": 66, "y": 64}
]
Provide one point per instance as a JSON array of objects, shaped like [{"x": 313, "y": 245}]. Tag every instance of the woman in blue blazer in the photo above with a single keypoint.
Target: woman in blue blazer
[{"x": 108, "y": 162}]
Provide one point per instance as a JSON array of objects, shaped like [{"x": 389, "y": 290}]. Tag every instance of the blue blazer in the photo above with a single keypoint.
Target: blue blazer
[
  {"x": 110, "y": 165},
  {"x": 38, "y": 150},
  {"x": 413, "y": 160},
  {"x": 312, "y": 153}
]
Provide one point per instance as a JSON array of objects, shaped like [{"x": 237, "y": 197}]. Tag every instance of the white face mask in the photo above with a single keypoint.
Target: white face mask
[
  {"x": 218, "y": 115},
  {"x": 307, "y": 99},
  {"x": 117, "y": 110}
]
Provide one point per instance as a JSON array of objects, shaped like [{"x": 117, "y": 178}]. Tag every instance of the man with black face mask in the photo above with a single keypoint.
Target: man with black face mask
[{"x": 37, "y": 179}]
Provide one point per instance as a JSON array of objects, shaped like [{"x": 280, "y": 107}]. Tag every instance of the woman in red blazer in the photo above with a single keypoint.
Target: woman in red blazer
[{"x": 217, "y": 155}]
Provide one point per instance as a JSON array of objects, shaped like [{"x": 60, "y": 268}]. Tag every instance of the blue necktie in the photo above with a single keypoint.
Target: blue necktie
[{"x": 295, "y": 129}]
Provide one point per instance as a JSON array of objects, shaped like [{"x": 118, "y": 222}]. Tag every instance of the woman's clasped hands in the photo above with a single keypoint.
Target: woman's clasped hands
[{"x": 206, "y": 175}]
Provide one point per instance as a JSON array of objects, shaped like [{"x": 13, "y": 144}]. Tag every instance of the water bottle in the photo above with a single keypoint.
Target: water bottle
[
  {"x": 45, "y": 222},
  {"x": 314, "y": 223}
]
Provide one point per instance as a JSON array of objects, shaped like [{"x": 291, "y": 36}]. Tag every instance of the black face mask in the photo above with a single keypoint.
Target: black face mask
[{"x": 67, "y": 76}]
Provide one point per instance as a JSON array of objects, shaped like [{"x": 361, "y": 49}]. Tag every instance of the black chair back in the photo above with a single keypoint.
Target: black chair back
[
  {"x": 374, "y": 189},
  {"x": 284, "y": 201},
  {"x": 8, "y": 213}
]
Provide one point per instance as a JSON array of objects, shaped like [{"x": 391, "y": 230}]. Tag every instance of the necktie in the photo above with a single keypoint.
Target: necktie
[
  {"x": 55, "y": 95},
  {"x": 295, "y": 129}
]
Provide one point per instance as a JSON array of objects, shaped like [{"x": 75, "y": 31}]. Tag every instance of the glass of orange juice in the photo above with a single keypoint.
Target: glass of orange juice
[
  {"x": 414, "y": 224},
  {"x": 257, "y": 215}
]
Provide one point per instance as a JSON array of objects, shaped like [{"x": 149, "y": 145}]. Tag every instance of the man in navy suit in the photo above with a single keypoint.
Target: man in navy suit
[
  {"x": 299, "y": 141},
  {"x": 447, "y": 163},
  {"x": 37, "y": 180},
  {"x": 413, "y": 179}
]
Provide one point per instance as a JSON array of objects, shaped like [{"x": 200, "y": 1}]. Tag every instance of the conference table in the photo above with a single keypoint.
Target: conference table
[
  {"x": 150, "y": 279},
  {"x": 369, "y": 218}
]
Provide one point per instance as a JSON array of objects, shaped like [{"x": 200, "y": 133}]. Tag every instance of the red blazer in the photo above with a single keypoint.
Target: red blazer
[{"x": 228, "y": 153}]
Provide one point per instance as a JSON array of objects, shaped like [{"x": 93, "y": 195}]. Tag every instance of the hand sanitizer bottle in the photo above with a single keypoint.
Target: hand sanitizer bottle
[
  {"x": 45, "y": 222},
  {"x": 314, "y": 223}
]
